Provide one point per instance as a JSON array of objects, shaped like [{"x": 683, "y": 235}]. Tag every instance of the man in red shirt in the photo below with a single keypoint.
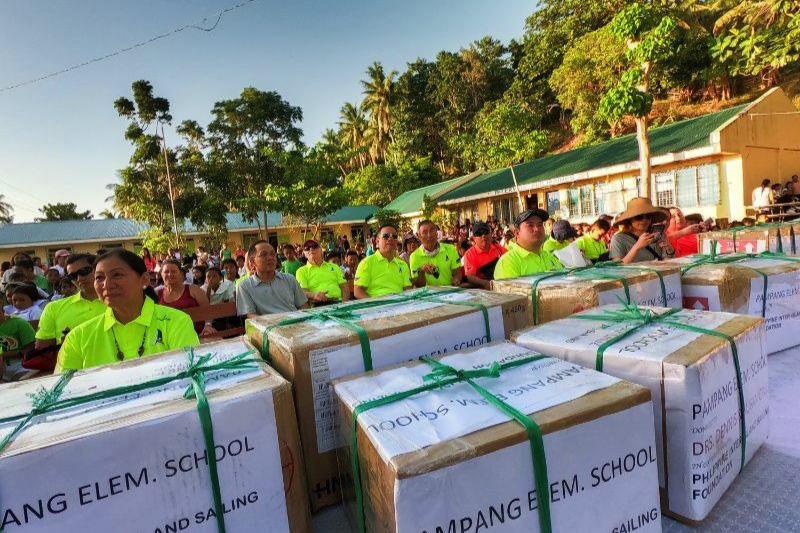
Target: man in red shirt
[{"x": 480, "y": 260}]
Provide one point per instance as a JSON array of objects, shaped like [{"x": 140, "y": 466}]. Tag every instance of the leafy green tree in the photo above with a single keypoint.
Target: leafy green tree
[
  {"x": 355, "y": 134},
  {"x": 62, "y": 211},
  {"x": 380, "y": 184},
  {"x": 505, "y": 134},
  {"x": 378, "y": 102},
  {"x": 650, "y": 35},
  {"x": 6, "y": 211},
  {"x": 152, "y": 187},
  {"x": 759, "y": 38},
  {"x": 590, "y": 68},
  {"x": 386, "y": 217},
  {"x": 247, "y": 140},
  {"x": 107, "y": 214}
]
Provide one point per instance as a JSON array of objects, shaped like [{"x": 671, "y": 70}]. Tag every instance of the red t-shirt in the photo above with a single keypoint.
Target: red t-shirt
[
  {"x": 475, "y": 258},
  {"x": 686, "y": 245}
]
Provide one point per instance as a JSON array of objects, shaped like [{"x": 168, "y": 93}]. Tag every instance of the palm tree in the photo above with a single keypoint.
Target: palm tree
[
  {"x": 353, "y": 126},
  {"x": 379, "y": 97},
  {"x": 107, "y": 213},
  {"x": 6, "y": 211}
]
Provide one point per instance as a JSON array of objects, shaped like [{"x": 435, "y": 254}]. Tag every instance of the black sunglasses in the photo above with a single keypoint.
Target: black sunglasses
[
  {"x": 85, "y": 271},
  {"x": 389, "y": 235},
  {"x": 310, "y": 247}
]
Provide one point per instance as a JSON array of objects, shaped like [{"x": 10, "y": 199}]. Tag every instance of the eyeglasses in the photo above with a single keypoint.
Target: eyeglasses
[
  {"x": 81, "y": 272},
  {"x": 389, "y": 236},
  {"x": 310, "y": 247}
]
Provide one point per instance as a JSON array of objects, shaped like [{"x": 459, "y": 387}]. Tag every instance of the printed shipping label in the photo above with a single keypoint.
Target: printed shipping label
[
  {"x": 783, "y": 307},
  {"x": 328, "y": 364},
  {"x": 704, "y": 454},
  {"x": 701, "y": 297},
  {"x": 153, "y": 476},
  {"x": 443, "y": 414},
  {"x": 608, "y": 486}
]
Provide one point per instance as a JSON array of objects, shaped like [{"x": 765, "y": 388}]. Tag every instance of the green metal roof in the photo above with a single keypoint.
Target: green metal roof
[
  {"x": 672, "y": 138},
  {"x": 411, "y": 201},
  {"x": 117, "y": 229}
]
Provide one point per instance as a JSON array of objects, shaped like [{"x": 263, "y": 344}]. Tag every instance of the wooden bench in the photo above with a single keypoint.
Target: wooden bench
[{"x": 213, "y": 312}]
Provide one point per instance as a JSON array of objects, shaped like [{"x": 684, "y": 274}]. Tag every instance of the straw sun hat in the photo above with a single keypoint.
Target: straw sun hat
[{"x": 642, "y": 206}]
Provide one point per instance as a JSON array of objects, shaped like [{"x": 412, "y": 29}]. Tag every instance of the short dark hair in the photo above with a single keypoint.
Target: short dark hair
[
  {"x": 214, "y": 269},
  {"x": 26, "y": 264},
  {"x": 601, "y": 224},
  {"x": 425, "y": 222},
  {"x": 386, "y": 226},
  {"x": 287, "y": 245},
  {"x": 89, "y": 258},
  {"x": 694, "y": 218},
  {"x": 332, "y": 254},
  {"x": 765, "y": 183},
  {"x": 229, "y": 260},
  {"x": 28, "y": 289},
  {"x": 351, "y": 252},
  {"x": 252, "y": 248}
]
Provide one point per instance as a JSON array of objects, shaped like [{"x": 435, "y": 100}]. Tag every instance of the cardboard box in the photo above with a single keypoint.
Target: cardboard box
[
  {"x": 447, "y": 460},
  {"x": 311, "y": 354},
  {"x": 754, "y": 240},
  {"x": 562, "y": 295},
  {"x": 138, "y": 461},
  {"x": 694, "y": 383},
  {"x": 738, "y": 287}
]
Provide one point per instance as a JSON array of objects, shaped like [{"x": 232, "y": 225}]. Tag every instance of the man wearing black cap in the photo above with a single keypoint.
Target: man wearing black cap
[
  {"x": 481, "y": 258},
  {"x": 525, "y": 255}
]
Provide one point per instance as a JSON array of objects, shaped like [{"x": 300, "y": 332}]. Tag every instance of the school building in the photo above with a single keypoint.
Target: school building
[
  {"x": 708, "y": 165},
  {"x": 43, "y": 239}
]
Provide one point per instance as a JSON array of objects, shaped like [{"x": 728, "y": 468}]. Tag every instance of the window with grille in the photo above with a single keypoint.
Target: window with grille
[
  {"x": 553, "y": 202},
  {"x": 688, "y": 187},
  {"x": 587, "y": 200}
]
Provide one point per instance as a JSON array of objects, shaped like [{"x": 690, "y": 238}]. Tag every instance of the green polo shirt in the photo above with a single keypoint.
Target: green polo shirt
[
  {"x": 241, "y": 278},
  {"x": 380, "y": 277},
  {"x": 551, "y": 245},
  {"x": 15, "y": 333},
  {"x": 41, "y": 282},
  {"x": 591, "y": 248},
  {"x": 158, "y": 328},
  {"x": 446, "y": 260},
  {"x": 65, "y": 315},
  {"x": 290, "y": 267},
  {"x": 323, "y": 278},
  {"x": 520, "y": 262}
]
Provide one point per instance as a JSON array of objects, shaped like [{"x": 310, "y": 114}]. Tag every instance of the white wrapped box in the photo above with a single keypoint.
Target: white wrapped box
[
  {"x": 138, "y": 461},
  {"x": 694, "y": 382},
  {"x": 737, "y": 286},
  {"x": 447, "y": 459}
]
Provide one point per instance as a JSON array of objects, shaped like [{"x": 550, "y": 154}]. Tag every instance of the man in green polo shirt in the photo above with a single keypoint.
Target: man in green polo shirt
[
  {"x": 64, "y": 315},
  {"x": 382, "y": 272},
  {"x": 434, "y": 263},
  {"x": 592, "y": 244},
  {"x": 525, "y": 255},
  {"x": 321, "y": 281}
]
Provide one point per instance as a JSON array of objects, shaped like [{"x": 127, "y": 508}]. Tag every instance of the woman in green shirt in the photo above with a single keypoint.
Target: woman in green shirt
[{"x": 133, "y": 325}]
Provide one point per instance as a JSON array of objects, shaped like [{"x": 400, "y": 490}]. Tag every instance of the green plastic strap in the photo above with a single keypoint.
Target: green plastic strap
[
  {"x": 444, "y": 376},
  {"x": 345, "y": 315},
  {"x": 49, "y": 401},
  {"x": 642, "y": 318},
  {"x": 637, "y": 268}
]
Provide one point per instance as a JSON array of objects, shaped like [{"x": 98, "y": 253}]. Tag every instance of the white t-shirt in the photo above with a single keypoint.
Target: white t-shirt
[{"x": 761, "y": 196}]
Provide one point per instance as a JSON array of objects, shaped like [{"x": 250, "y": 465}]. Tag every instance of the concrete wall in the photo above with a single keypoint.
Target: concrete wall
[{"x": 767, "y": 136}]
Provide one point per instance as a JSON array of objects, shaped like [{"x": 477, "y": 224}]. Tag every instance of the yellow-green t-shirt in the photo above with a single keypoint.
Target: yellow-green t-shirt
[
  {"x": 242, "y": 278},
  {"x": 323, "y": 278},
  {"x": 446, "y": 260},
  {"x": 520, "y": 262},
  {"x": 551, "y": 245},
  {"x": 591, "y": 248},
  {"x": 380, "y": 277},
  {"x": 66, "y": 314},
  {"x": 158, "y": 329}
]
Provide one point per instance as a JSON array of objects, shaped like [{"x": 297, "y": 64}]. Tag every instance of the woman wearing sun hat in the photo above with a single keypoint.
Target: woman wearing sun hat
[{"x": 635, "y": 241}]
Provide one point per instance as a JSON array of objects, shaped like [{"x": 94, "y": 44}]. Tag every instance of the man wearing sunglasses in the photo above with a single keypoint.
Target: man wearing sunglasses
[
  {"x": 383, "y": 272},
  {"x": 525, "y": 255},
  {"x": 480, "y": 260},
  {"x": 322, "y": 281},
  {"x": 64, "y": 315}
]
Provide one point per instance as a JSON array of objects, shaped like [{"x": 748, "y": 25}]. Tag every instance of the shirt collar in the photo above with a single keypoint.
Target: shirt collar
[
  {"x": 144, "y": 317},
  {"x": 520, "y": 250}
]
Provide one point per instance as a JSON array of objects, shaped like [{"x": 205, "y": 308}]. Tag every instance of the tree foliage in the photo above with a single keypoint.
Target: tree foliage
[
  {"x": 6, "y": 211},
  {"x": 62, "y": 211}
]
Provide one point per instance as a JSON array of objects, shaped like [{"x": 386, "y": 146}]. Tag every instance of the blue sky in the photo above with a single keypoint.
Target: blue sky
[{"x": 61, "y": 140}]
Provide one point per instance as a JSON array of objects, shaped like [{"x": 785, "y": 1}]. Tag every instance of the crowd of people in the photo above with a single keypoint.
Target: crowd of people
[{"x": 87, "y": 309}]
